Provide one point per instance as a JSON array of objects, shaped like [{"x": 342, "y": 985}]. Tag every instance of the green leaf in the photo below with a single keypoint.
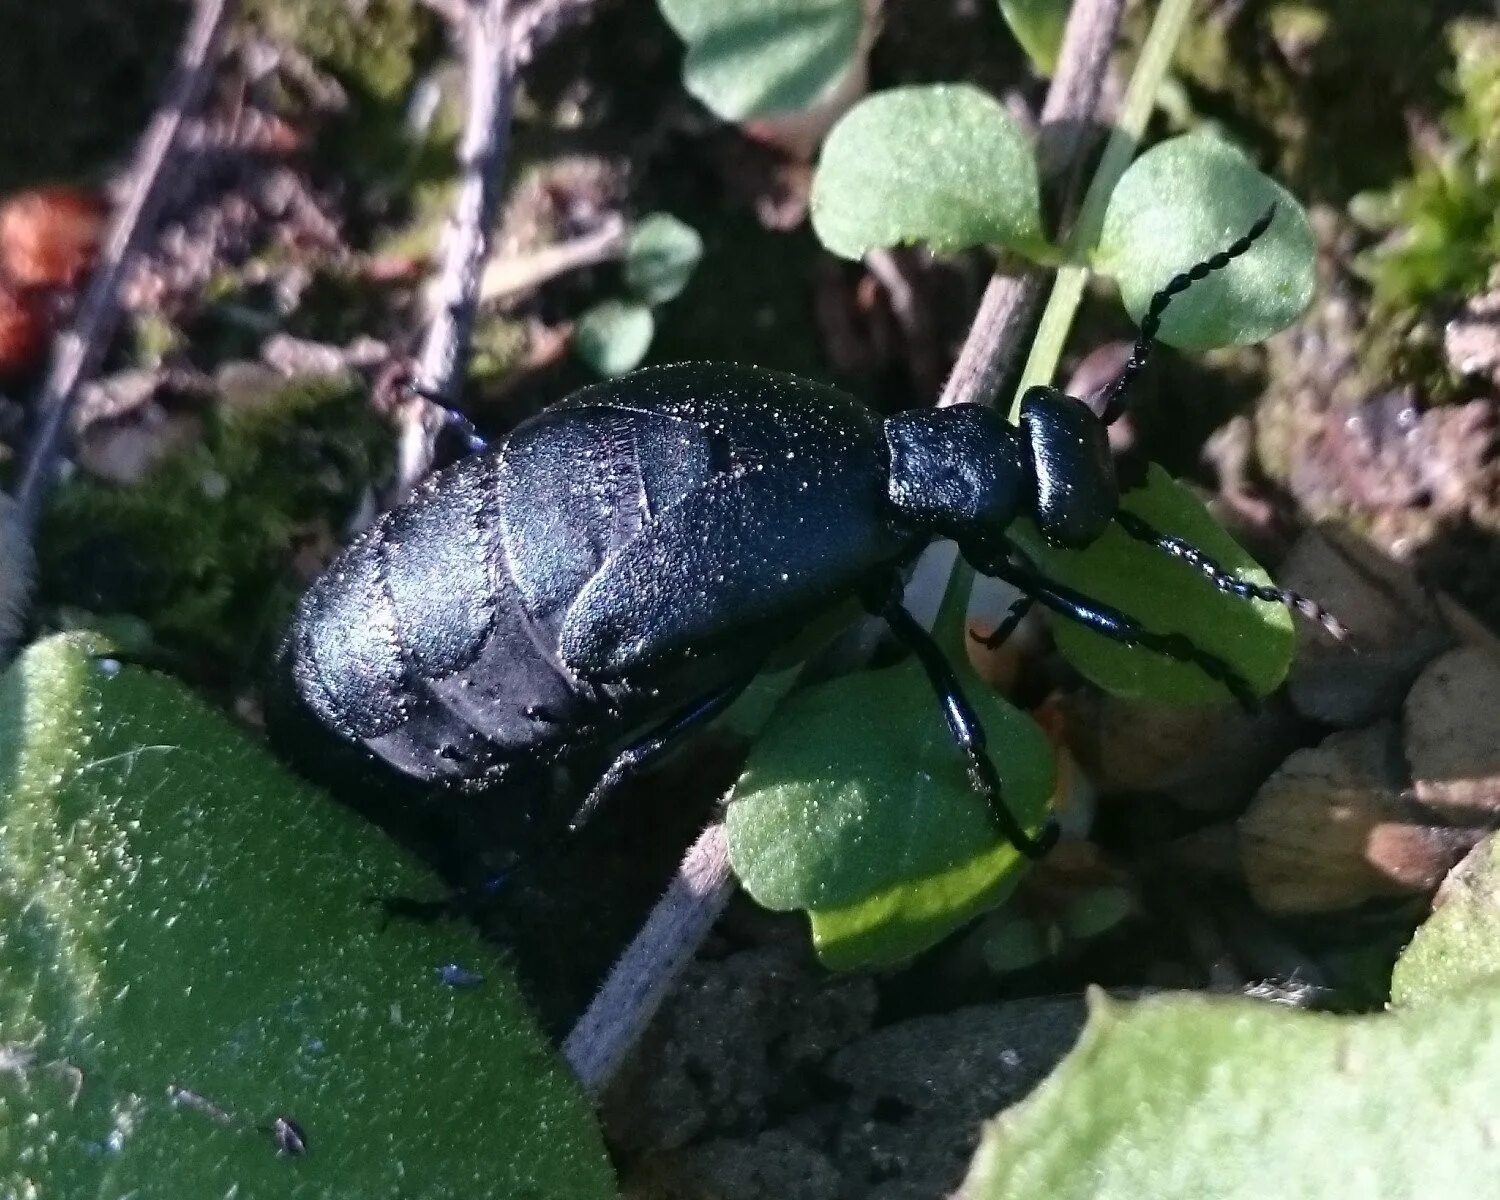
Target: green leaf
[
  {"x": 1187, "y": 199},
  {"x": 613, "y": 337},
  {"x": 1166, "y": 596},
  {"x": 660, "y": 257},
  {"x": 855, "y": 804},
  {"x": 1038, "y": 26},
  {"x": 946, "y": 166},
  {"x": 1459, "y": 945},
  {"x": 754, "y": 58},
  {"x": 177, "y": 912},
  {"x": 1188, "y": 1097}
]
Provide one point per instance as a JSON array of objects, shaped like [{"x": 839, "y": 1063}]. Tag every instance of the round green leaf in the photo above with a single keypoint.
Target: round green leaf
[
  {"x": 189, "y": 950},
  {"x": 660, "y": 257},
  {"x": 855, "y": 804},
  {"x": 1187, "y": 1097},
  {"x": 1038, "y": 26},
  {"x": 946, "y": 166},
  {"x": 613, "y": 337},
  {"x": 1190, "y": 198},
  {"x": 754, "y": 58},
  {"x": 1166, "y": 595}
]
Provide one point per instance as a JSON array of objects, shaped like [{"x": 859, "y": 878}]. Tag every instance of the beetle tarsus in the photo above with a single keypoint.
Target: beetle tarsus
[{"x": 1002, "y": 632}]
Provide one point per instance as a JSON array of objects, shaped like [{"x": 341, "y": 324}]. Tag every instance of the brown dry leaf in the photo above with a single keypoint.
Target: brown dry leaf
[
  {"x": 1333, "y": 828},
  {"x": 1452, "y": 720},
  {"x": 24, "y": 333},
  {"x": 50, "y": 236}
]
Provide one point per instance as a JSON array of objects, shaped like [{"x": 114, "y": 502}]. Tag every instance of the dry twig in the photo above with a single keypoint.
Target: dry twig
[
  {"x": 443, "y": 360},
  {"x": 507, "y": 277},
  {"x": 79, "y": 351},
  {"x": 645, "y": 973},
  {"x": 498, "y": 43},
  {"x": 672, "y": 933}
]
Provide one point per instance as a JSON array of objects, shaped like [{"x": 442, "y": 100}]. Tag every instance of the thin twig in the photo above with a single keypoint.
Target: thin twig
[
  {"x": 498, "y": 42},
  {"x": 1010, "y": 302},
  {"x": 677, "y": 926},
  {"x": 79, "y": 351},
  {"x": 454, "y": 296},
  {"x": 506, "y": 277},
  {"x": 645, "y": 973}
]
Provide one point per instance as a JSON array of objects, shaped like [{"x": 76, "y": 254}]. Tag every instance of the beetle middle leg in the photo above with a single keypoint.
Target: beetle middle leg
[
  {"x": 641, "y": 754},
  {"x": 964, "y": 724}
]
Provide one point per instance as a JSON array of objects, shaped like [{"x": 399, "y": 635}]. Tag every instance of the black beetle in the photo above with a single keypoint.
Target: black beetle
[{"x": 630, "y": 557}]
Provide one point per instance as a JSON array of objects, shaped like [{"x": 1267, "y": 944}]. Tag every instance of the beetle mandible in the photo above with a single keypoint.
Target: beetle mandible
[{"x": 630, "y": 557}]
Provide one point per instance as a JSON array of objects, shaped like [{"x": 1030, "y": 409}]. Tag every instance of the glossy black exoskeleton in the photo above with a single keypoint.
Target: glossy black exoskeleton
[{"x": 632, "y": 556}]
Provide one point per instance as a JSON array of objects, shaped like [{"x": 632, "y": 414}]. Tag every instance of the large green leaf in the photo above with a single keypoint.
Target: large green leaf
[
  {"x": 1166, "y": 595},
  {"x": 188, "y": 951},
  {"x": 1195, "y": 1097},
  {"x": 855, "y": 805},
  {"x": 944, "y": 165},
  {"x": 754, "y": 58},
  {"x": 1190, "y": 198}
]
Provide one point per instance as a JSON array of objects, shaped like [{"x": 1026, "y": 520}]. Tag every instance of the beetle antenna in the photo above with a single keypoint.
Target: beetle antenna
[
  {"x": 1114, "y": 399},
  {"x": 1142, "y": 531}
]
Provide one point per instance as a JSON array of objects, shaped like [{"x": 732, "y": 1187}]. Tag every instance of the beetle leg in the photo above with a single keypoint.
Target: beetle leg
[
  {"x": 641, "y": 754},
  {"x": 1118, "y": 627},
  {"x": 967, "y": 731},
  {"x": 1001, "y": 633}
]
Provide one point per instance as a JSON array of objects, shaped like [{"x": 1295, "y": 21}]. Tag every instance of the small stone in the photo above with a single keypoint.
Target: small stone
[
  {"x": 1452, "y": 720},
  {"x": 1333, "y": 828},
  {"x": 1395, "y": 628}
]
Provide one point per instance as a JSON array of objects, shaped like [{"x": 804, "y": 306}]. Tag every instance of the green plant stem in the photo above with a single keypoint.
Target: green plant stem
[{"x": 1067, "y": 289}]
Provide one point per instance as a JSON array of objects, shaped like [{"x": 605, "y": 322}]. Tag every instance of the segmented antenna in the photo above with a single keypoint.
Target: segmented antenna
[
  {"x": 1142, "y": 531},
  {"x": 1114, "y": 400}
]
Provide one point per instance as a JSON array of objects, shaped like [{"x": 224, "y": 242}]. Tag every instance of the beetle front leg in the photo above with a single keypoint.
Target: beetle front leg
[
  {"x": 964, "y": 724},
  {"x": 1117, "y": 626}
]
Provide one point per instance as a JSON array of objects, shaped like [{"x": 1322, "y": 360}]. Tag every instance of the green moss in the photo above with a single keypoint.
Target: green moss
[
  {"x": 202, "y": 549},
  {"x": 370, "y": 45},
  {"x": 1447, "y": 210},
  {"x": 376, "y": 49},
  {"x": 1320, "y": 87},
  {"x": 500, "y": 344}
]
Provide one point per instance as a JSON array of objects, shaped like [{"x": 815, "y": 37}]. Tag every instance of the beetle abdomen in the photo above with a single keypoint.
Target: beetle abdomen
[{"x": 415, "y": 643}]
